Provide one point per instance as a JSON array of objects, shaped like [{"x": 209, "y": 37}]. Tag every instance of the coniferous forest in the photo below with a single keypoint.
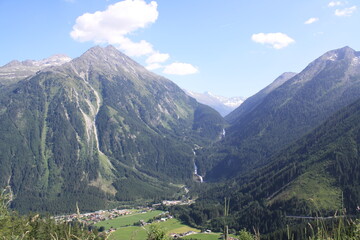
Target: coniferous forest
[{"x": 101, "y": 131}]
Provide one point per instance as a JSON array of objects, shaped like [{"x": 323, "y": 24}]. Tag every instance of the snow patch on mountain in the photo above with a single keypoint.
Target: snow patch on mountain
[
  {"x": 224, "y": 105},
  {"x": 332, "y": 57},
  {"x": 355, "y": 61},
  {"x": 16, "y": 70}
]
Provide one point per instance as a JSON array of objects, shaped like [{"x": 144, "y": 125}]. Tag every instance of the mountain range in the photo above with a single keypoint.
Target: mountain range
[
  {"x": 224, "y": 105},
  {"x": 278, "y": 116},
  {"x": 16, "y": 70},
  {"x": 288, "y": 154},
  {"x": 100, "y": 129}
]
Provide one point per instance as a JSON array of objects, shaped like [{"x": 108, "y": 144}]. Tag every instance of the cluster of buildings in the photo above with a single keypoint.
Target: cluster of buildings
[
  {"x": 174, "y": 202},
  {"x": 94, "y": 217}
]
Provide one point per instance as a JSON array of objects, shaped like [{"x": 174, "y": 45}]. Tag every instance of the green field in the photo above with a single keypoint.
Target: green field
[
  {"x": 140, "y": 233},
  {"x": 129, "y": 233},
  {"x": 207, "y": 236},
  {"x": 126, "y": 230},
  {"x": 316, "y": 186},
  {"x": 128, "y": 220},
  {"x": 204, "y": 236},
  {"x": 175, "y": 226}
]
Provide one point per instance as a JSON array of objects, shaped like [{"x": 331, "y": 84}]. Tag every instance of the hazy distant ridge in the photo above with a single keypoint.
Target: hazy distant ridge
[{"x": 224, "y": 105}]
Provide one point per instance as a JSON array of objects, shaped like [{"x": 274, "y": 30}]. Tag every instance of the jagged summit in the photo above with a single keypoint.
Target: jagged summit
[
  {"x": 54, "y": 60},
  {"x": 103, "y": 53},
  {"x": 340, "y": 54},
  {"x": 224, "y": 105},
  {"x": 17, "y": 70},
  {"x": 344, "y": 52},
  {"x": 100, "y": 127},
  {"x": 107, "y": 59},
  {"x": 334, "y": 56}
]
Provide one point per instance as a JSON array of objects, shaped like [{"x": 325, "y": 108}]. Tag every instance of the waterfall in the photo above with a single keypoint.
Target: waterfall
[{"x": 196, "y": 169}]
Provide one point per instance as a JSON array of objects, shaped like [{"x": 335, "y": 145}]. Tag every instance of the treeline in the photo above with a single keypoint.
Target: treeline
[
  {"x": 329, "y": 154},
  {"x": 34, "y": 226}
]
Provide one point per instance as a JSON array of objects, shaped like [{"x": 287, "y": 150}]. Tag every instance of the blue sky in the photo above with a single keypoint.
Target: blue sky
[{"x": 228, "y": 47}]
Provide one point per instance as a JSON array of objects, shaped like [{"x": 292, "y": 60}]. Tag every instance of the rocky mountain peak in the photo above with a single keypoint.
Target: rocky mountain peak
[
  {"x": 345, "y": 58},
  {"x": 339, "y": 54},
  {"x": 224, "y": 105},
  {"x": 17, "y": 70},
  {"x": 99, "y": 52},
  {"x": 13, "y": 63},
  {"x": 54, "y": 60},
  {"x": 107, "y": 59}
]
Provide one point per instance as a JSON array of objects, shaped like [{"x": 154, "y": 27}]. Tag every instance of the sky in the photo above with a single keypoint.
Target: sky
[{"x": 227, "y": 47}]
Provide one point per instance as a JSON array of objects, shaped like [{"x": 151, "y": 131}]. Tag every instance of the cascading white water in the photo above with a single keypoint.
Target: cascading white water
[
  {"x": 196, "y": 170},
  {"x": 196, "y": 174}
]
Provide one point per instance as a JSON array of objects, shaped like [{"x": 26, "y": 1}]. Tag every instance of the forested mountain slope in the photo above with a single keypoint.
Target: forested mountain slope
[
  {"x": 100, "y": 127},
  {"x": 252, "y": 102},
  {"x": 285, "y": 114},
  {"x": 318, "y": 175}
]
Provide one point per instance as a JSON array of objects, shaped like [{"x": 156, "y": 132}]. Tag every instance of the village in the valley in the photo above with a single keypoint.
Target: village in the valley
[{"x": 92, "y": 218}]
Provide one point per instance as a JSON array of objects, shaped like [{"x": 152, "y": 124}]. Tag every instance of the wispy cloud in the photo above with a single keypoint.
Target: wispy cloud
[
  {"x": 335, "y": 3},
  {"x": 346, "y": 12},
  {"x": 178, "y": 68},
  {"x": 311, "y": 20},
  {"x": 275, "y": 40}
]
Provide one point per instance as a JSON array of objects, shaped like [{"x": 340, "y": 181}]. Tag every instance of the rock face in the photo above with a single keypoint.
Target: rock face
[
  {"x": 100, "y": 127},
  {"x": 261, "y": 128}
]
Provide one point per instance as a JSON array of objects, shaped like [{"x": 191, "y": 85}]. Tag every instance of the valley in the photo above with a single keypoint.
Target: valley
[
  {"x": 135, "y": 223},
  {"x": 100, "y": 131}
]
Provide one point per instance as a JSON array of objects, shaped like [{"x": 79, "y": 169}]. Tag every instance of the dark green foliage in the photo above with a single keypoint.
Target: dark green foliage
[
  {"x": 156, "y": 233},
  {"x": 92, "y": 133},
  {"x": 284, "y": 115},
  {"x": 34, "y": 226},
  {"x": 207, "y": 123},
  {"x": 256, "y": 196}
]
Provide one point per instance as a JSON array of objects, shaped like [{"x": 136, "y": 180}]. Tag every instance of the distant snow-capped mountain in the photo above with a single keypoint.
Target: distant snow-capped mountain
[
  {"x": 224, "y": 105},
  {"x": 17, "y": 70}
]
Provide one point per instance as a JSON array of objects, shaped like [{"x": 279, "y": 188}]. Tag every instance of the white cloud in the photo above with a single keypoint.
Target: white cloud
[
  {"x": 276, "y": 40},
  {"x": 311, "y": 20},
  {"x": 335, "y": 3},
  {"x": 118, "y": 20},
  {"x": 157, "y": 58},
  {"x": 134, "y": 49},
  {"x": 178, "y": 68},
  {"x": 346, "y": 12},
  {"x": 154, "y": 66},
  {"x": 114, "y": 26}
]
